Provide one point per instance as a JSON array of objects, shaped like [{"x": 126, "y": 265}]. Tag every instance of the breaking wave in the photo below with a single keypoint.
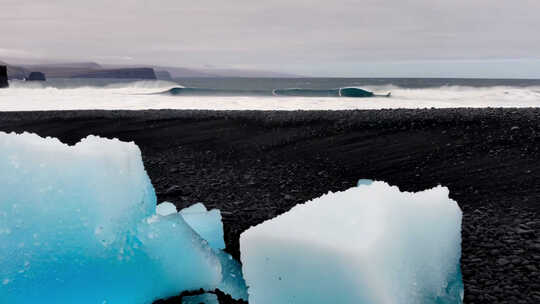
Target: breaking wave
[
  {"x": 115, "y": 84},
  {"x": 295, "y": 92},
  {"x": 169, "y": 95}
]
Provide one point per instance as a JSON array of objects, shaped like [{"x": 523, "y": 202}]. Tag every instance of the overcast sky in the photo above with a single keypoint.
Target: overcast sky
[{"x": 365, "y": 38}]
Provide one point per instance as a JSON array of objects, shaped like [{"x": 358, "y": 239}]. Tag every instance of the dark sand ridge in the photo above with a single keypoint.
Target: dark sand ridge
[{"x": 254, "y": 165}]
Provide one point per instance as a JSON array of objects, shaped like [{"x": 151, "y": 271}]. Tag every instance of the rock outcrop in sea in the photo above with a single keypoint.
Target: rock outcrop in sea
[
  {"x": 3, "y": 77},
  {"x": 36, "y": 76},
  {"x": 14, "y": 72}
]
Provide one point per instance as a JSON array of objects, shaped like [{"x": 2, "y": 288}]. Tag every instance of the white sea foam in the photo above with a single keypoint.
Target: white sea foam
[{"x": 137, "y": 96}]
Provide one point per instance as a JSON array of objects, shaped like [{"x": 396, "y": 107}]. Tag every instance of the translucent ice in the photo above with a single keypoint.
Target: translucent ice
[
  {"x": 166, "y": 208},
  {"x": 209, "y": 226},
  {"x": 79, "y": 224},
  {"x": 206, "y": 223},
  {"x": 233, "y": 282},
  {"x": 364, "y": 181},
  {"x": 369, "y": 244}
]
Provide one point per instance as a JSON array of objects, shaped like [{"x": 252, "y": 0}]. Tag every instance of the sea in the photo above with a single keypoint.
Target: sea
[{"x": 268, "y": 94}]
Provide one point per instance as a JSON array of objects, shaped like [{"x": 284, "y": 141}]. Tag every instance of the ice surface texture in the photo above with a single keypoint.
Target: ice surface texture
[
  {"x": 369, "y": 244},
  {"x": 78, "y": 224}
]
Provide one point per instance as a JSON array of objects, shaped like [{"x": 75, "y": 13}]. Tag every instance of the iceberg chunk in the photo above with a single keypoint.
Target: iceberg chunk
[
  {"x": 232, "y": 282},
  {"x": 206, "y": 223},
  {"x": 166, "y": 208},
  {"x": 79, "y": 223},
  {"x": 369, "y": 244},
  {"x": 364, "y": 181},
  {"x": 209, "y": 226}
]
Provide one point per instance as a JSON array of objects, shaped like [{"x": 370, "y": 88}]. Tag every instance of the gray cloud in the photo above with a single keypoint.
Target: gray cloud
[{"x": 342, "y": 37}]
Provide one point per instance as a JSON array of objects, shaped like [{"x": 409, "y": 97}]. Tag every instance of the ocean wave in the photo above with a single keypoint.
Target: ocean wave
[
  {"x": 100, "y": 84},
  {"x": 293, "y": 92},
  {"x": 184, "y": 91},
  {"x": 165, "y": 95},
  {"x": 144, "y": 84}
]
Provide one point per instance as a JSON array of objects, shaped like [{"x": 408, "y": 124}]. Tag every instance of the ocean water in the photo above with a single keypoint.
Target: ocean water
[{"x": 259, "y": 94}]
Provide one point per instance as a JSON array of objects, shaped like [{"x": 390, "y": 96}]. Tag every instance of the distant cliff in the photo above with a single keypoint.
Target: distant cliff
[
  {"x": 63, "y": 70},
  {"x": 180, "y": 72},
  {"x": 163, "y": 75},
  {"x": 87, "y": 70},
  {"x": 95, "y": 70},
  {"x": 3, "y": 77},
  {"x": 125, "y": 73}
]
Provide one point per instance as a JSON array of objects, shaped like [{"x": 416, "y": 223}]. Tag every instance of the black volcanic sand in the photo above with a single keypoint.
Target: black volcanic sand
[{"x": 255, "y": 165}]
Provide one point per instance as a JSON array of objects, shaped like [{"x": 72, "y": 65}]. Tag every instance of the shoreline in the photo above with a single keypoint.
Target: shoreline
[{"x": 254, "y": 165}]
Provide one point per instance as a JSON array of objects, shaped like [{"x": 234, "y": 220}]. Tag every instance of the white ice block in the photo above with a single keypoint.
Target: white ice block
[{"x": 369, "y": 244}]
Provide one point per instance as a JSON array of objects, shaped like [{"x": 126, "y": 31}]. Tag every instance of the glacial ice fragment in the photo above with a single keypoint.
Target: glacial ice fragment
[
  {"x": 369, "y": 244},
  {"x": 207, "y": 223},
  {"x": 166, "y": 208},
  {"x": 232, "y": 282},
  {"x": 79, "y": 223},
  {"x": 364, "y": 181}
]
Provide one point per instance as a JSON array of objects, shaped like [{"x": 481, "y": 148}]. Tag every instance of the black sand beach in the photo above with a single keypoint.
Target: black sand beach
[{"x": 255, "y": 165}]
